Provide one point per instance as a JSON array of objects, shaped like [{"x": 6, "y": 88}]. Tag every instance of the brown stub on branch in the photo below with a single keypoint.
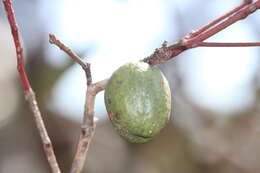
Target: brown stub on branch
[
  {"x": 165, "y": 53},
  {"x": 159, "y": 53}
]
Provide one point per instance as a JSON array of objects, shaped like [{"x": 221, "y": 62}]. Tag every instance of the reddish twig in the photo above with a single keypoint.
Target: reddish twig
[
  {"x": 217, "y": 20},
  {"x": 29, "y": 93},
  {"x": 192, "y": 40},
  {"x": 213, "y": 44},
  {"x": 88, "y": 125},
  {"x": 241, "y": 14}
]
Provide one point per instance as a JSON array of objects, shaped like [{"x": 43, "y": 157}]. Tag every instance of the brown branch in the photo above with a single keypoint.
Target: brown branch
[
  {"x": 73, "y": 55},
  {"x": 165, "y": 53},
  {"x": 88, "y": 127},
  {"x": 241, "y": 14},
  {"x": 28, "y": 92},
  {"x": 88, "y": 124},
  {"x": 195, "y": 39}
]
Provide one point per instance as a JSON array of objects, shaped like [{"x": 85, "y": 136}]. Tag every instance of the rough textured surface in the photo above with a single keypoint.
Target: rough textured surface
[{"x": 138, "y": 101}]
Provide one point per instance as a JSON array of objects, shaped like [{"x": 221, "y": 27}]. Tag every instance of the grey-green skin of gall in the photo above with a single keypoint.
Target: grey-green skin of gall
[{"x": 138, "y": 101}]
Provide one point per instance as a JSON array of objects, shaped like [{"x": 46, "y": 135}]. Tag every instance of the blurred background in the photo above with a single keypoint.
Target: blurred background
[{"x": 216, "y": 91}]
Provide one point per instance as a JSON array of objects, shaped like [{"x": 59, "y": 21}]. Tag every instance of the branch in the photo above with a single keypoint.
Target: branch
[
  {"x": 213, "y": 44},
  {"x": 241, "y": 14},
  {"x": 18, "y": 45},
  {"x": 217, "y": 20},
  {"x": 195, "y": 39},
  {"x": 28, "y": 92},
  {"x": 192, "y": 40},
  {"x": 74, "y": 56},
  {"x": 87, "y": 129},
  {"x": 88, "y": 124}
]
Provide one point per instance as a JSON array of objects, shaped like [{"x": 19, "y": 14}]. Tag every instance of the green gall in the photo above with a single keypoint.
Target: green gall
[{"x": 138, "y": 101}]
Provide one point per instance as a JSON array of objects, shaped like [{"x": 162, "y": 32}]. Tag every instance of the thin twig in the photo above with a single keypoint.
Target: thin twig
[
  {"x": 88, "y": 124},
  {"x": 28, "y": 92},
  {"x": 18, "y": 45},
  {"x": 165, "y": 53},
  {"x": 73, "y": 55},
  {"x": 219, "y": 19},
  {"x": 213, "y": 44}
]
